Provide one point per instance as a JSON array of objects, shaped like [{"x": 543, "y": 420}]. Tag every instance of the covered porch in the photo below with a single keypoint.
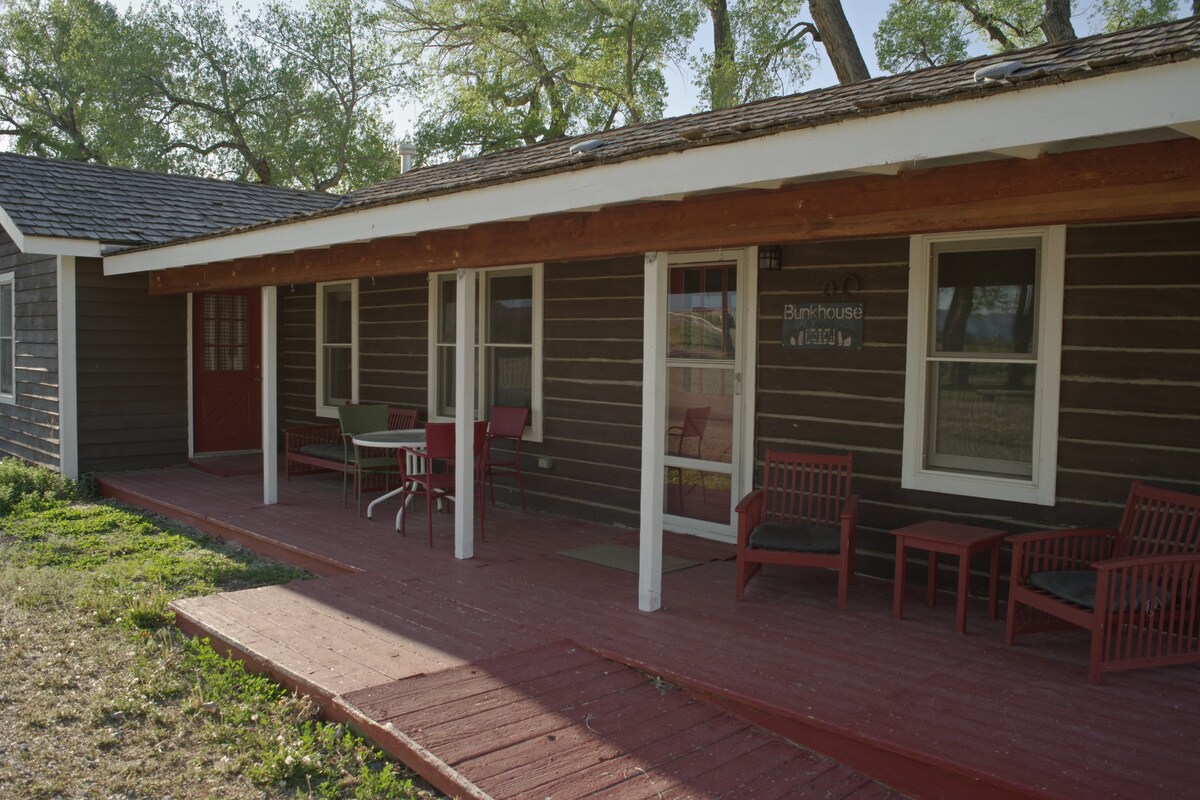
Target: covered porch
[{"x": 909, "y": 703}]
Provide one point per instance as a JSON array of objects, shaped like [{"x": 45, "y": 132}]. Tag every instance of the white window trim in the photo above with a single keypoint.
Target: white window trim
[
  {"x": 1040, "y": 487},
  {"x": 323, "y": 410},
  {"x": 534, "y": 432},
  {"x": 8, "y": 278}
]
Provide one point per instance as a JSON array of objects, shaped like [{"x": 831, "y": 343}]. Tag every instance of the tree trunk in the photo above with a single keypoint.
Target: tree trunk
[
  {"x": 1056, "y": 22},
  {"x": 722, "y": 81},
  {"x": 839, "y": 40}
]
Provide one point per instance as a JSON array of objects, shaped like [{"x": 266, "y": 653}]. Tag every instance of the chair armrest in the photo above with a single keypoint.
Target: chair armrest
[
  {"x": 849, "y": 522},
  {"x": 1148, "y": 583},
  {"x": 1047, "y": 551},
  {"x": 749, "y": 512}
]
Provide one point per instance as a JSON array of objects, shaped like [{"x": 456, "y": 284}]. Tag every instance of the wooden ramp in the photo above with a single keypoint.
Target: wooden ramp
[
  {"x": 558, "y": 721},
  {"x": 483, "y": 708}
]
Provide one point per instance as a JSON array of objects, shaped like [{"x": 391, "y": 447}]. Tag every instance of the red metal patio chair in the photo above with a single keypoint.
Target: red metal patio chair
[
  {"x": 804, "y": 515},
  {"x": 506, "y": 422},
  {"x": 429, "y": 471},
  {"x": 695, "y": 422}
]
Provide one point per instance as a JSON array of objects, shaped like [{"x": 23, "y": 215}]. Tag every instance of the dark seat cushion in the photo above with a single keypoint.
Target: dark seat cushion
[
  {"x": 795, "y": 538},
  {"x": 1078, "y": 586},
  {"x": 329, "y": 452}
]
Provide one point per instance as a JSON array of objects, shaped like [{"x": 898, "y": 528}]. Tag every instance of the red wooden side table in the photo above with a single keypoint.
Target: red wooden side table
[{"x": 954, "y": 539}]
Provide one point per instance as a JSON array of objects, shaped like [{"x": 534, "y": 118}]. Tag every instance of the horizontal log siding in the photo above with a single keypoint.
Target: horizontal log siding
[
  {"x": 30, "y": 425},
  {"x": 840, "y": 400},
  {"x": 1131, "y": 363},
  {"x": 132, "y": 373},
  {"x": 593, "y": 392},
  {"x": 392, "y": 334},
  {"x": 393, "y": 331},
  {"x": 297, "y": 356},
  {"x": 1131, "y": 375}
]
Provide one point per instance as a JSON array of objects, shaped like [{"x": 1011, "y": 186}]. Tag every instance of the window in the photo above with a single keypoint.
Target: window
[
  {"x": 508, "y": 348},
  {"x": 337, "y": 346},
  {"x": 8, "y": 338},
  {"x": 984, "y": 333}
]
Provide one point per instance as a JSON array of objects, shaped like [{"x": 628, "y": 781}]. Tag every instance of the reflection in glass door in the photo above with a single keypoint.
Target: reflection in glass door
[{"x": 702, "y": 371}]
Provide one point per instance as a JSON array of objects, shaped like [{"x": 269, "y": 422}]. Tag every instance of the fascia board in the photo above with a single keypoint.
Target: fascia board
[
  {"x": 1121, "y": 102},
  {"x": 50, "y": 245},
  {"x": 47, "y": 245}
]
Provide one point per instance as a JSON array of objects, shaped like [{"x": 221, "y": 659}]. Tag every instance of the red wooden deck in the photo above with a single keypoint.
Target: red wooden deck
[{"x": 457, "y": 666}]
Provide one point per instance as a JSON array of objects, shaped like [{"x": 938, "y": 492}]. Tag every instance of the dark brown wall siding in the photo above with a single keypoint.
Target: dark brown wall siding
[
  {"x": 393, "y": 327},
  {"x": 1130, "y": 405},
  {"x": 1130, "y": 379},
  {"x": 133, "y": 380},
  {"x": 593, "y": 392},
  {"x": 29, "y": 428}
]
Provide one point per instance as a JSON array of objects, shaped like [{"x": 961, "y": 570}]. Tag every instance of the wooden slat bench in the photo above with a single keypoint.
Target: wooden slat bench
[
  {"x": 319, "y": 448},
  {"x": 1136, "y": 588}
]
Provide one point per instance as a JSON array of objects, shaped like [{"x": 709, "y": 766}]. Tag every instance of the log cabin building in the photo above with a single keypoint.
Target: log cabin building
[{"x": 981, "y": 279}]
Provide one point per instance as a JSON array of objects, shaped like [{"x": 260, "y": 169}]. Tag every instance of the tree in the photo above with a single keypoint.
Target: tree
[
  {"x": 759, "y": 50},
  {"x": 294, "y": 97},
  {"x": 503, "y": 73},
  {"x": 919, "y": 33},
  {"x": 839, "y": 40},
  {"x": 70, "y": 87}
]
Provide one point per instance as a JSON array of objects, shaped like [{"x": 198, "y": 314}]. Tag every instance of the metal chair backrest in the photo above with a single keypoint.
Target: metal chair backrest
[
  {"x": 401, "y": 419},
  {"x": 507, "y": 422},
  {"x": 806, "y": 488},
  {"x": 362, "y": 419},
  {"x": 439, "y": 440},
  {"x": 695, "y": 420}
]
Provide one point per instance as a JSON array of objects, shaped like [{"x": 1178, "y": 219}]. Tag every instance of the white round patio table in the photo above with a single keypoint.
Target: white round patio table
[{"x": 391, "y": 440}]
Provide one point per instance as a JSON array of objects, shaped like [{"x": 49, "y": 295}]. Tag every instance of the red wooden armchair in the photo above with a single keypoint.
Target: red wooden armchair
[
  {"x": 1135, "y": 588},
  {"x": 804, "y": 515},
  {"x": 506, "y": 422},
  {"x": 429, "y": 471}
]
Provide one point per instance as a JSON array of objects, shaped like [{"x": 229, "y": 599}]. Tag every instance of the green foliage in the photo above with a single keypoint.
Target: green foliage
[
  {"x": 920, "y": 33},
  {"x": 503, "y": 73},
  {"x": 763, "y": 52},
  {"x": 290, "y": 97},
  {"x": 28, "y": 487}
]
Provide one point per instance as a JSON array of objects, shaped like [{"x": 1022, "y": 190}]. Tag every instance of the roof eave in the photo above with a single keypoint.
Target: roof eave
[{"x": 1012, "y": 123}]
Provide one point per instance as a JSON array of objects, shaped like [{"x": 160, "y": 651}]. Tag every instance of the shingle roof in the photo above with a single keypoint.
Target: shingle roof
[
  {"x": 1082, "y": 58},
  {"x": 73, "y": 200}
]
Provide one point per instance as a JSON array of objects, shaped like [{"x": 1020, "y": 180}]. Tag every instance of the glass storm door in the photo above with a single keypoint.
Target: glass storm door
[{"x": 702, "y": 397}]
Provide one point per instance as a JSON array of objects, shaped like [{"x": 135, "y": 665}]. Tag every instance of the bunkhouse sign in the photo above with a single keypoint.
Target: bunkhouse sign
[{"x": 823, "y": 325}]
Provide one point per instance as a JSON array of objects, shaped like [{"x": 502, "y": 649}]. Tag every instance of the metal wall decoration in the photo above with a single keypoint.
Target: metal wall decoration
[{"x": 823, "y": 326}]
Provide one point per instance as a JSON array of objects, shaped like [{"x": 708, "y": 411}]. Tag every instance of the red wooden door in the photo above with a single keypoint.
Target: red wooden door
[{"x": 226, "y": 352}]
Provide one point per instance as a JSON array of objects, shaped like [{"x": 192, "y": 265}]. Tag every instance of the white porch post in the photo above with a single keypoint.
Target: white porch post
[
  {"x": 68, "y": 370},
  {"x": 654, "y": 333},
  {"x": 464, "y": 415},
  {"x": 270, "y": 395}
]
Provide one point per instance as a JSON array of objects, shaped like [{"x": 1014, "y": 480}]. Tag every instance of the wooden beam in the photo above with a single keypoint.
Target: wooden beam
[{"x": 1142, "y": 181}]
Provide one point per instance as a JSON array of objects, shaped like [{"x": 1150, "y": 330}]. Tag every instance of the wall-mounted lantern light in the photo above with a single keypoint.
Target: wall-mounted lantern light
[{"x": 770, "y": 257}]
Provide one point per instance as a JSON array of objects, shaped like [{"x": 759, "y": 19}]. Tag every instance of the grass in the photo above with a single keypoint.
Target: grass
[{"x": 101, "y": 697}]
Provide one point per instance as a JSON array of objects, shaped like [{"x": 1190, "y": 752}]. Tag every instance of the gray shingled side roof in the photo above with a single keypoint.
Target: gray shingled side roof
[
  {"x": 1079, "y": 59},
  {"x": 73, "y": 200}
]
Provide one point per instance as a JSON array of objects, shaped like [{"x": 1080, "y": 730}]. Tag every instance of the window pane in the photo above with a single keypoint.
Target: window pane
[
  {"x": 510, "y": 377},
  {"x": 6, "y": 366},
  {"x": 338, "y": 376},
  {"x": 702, "y": 312},
  {"x": 700, "y": 413},
  {"x": 339, "y": 314},
  {"x": 445, "y": 381},
  {"x": 697, "y": 494},
  {"x": 447, "y": 291},
  {"x": 510, "y": 310},
  {"x": 6, "y": 308},
  {"x": 985, "y": 301},
  {"x": 982, "y": 417}
]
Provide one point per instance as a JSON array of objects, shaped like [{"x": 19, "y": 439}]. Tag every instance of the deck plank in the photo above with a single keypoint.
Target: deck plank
[{"x": 904, "y": 699}]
